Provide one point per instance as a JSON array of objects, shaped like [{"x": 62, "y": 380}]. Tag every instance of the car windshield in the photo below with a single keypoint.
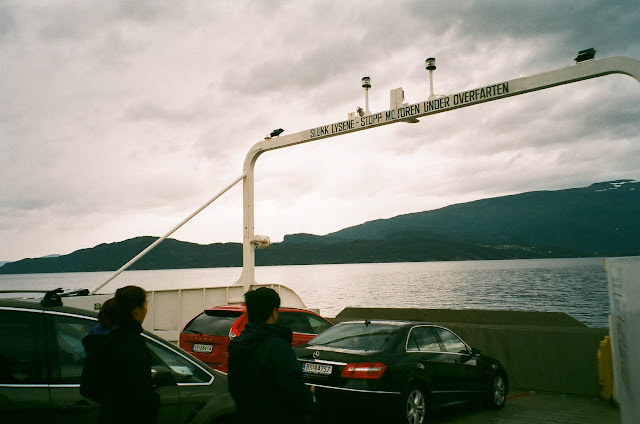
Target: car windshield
[
  {"x": 213, "y": 323},
  {"x": 356, "y": 336}
]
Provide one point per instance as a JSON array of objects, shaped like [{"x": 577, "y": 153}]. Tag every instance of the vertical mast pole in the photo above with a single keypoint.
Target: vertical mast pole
[{"x": 247, "y": 278}]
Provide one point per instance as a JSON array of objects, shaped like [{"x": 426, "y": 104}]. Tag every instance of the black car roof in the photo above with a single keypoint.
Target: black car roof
[
  {"x": 398, "y": 323},
  {"x": 36, "y": 305}
]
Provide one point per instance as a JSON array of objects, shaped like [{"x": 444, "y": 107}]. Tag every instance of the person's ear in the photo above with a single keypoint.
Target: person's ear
[
  {"x": 139, "y": 314},
  {"x": 274, "y": 316}
]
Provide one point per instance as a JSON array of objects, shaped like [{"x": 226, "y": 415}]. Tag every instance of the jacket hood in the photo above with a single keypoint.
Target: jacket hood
[{"x": 255, "y": 333}]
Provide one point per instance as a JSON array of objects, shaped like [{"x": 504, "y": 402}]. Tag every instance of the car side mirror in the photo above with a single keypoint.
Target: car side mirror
[
  {"x": 162, "y": 376},
  {"x": 475, "y": 351},
  {"x": 181, "y": 371}
]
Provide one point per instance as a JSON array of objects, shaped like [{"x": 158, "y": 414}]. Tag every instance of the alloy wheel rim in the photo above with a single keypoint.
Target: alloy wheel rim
[
  {"x": 498, "y": 390},
  {"x": 416, "y": 407}
]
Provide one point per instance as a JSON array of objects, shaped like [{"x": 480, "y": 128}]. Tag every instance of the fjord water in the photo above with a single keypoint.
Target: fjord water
[{"x": 575, "y": 286}]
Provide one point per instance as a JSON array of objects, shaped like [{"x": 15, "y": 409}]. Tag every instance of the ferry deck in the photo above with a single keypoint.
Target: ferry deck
[
  {"x": 529, "y": 407},
  {"x": 526, "y": 407}
]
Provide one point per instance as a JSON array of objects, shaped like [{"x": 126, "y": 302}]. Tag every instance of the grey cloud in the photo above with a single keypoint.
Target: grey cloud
[
  {"x": 94, "y": 177},
  {"x": 148, "y": 11},
  {"x": 71, "y": 21},
  {"x": 268, "y": 7},
  {"x": 152, "y": 112},
  {"x": 101, "y": 194},
  {"x": 79, "y": 20},
  {"x": 543, "y": 30},
  {"x": 314, "y": 67},
  {"x": 7, "y": 21},
  {"x": 322, "y": 42},
  {"x": 609, "y": 26},
  {"x": 616, "y": 119},
  {"x": 553, "y": 31}
]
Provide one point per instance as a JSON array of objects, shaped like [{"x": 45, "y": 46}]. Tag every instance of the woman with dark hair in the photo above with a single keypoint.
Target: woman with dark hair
[
  {"x": 95, "y": 344},
  {"x": 107, "y": 318},
  {"x": 128, "y": 395}
]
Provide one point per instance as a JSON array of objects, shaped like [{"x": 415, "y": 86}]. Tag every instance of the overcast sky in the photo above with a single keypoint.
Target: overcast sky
[{"x": 120, "y": 118}]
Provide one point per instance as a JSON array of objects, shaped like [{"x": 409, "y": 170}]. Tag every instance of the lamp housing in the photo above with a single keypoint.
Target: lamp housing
[{"x": 431, "y": 64}]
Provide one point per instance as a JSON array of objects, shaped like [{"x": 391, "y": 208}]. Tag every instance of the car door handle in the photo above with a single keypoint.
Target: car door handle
[{"x": 80, "y": 406}]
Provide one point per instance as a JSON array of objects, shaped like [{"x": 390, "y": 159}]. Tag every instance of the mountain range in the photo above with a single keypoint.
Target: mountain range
[{"x": 599, "y": 220}]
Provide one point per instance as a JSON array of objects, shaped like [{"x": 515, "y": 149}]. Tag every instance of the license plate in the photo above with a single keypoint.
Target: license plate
[
  {"x": 312, "y": 368},
  {"x": 202, "y": 348}
]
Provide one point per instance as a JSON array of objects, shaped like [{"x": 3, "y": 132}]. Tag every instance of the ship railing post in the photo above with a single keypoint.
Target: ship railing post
[{"x": 247, "y": 278}]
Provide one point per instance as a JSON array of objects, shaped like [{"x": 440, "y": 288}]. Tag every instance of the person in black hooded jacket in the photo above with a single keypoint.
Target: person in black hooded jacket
[
  {"x": 95, "y": 346},
  {"x": 265, "y": 379},
  {"x": 127, "y": 393}
]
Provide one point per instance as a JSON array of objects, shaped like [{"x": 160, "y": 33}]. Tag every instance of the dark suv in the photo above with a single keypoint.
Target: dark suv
[{"x": 41, "y": 361}]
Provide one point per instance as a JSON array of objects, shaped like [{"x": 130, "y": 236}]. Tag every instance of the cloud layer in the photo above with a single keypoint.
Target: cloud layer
[{"x": 118, "y": 119}]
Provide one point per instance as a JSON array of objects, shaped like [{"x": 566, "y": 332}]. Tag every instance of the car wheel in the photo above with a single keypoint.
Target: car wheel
[
  {"x": 415, "y": 408},
  {"x": 498, "y": 391}
]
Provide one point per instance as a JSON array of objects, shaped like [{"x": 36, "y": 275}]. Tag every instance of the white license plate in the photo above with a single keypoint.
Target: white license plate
[
  {"x": 317, "y": 368},
  {"x": 202, "y": 348}
]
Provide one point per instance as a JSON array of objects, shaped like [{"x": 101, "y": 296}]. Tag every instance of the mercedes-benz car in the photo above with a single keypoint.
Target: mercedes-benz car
[
  {"x": 403, "y": 367},
  {"x": 41, "y": 362}
]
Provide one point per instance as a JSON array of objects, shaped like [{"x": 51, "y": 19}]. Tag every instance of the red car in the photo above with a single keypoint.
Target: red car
[{"x": 207, "y": 336}]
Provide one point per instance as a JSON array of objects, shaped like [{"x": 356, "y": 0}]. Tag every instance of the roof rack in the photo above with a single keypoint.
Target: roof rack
[{"x": 52, "y": 297}]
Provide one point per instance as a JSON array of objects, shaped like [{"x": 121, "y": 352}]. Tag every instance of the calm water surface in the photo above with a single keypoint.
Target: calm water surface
[{"x": 575, "y": 286}]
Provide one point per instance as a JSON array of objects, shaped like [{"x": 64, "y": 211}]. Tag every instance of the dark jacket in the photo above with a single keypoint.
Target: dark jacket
[
  {"x": 265, "y": 379},
  {"x": 93, "y": 372},
  {"x": 127, "y": 394}
]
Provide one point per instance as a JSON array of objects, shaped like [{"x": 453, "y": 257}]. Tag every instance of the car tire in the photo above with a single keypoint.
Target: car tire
[
  {"x": 415, "y": 405},
  {"x": 497, "y": 391}
]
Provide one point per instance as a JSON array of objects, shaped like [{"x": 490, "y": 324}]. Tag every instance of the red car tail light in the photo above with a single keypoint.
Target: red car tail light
[{"x": 364, "y": 370}]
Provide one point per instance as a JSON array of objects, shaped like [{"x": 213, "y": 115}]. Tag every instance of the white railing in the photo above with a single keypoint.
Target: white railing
[{"x": 171, "y": 310}]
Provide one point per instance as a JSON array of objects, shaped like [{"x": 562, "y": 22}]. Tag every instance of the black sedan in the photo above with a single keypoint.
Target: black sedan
[{"x": 404, "y": 367}]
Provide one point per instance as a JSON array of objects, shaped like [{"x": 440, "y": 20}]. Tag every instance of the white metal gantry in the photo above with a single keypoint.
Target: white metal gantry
[
  {"x": 401, "y": 112},
  {"x": 169, "y": 310}
]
